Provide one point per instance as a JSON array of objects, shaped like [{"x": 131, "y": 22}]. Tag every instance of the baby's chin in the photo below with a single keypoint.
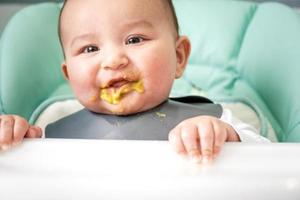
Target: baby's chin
[
  {"x": 130, "y": 104},
  {"x": 122, "y": 108},
  {"x": 116, "y": 110}
]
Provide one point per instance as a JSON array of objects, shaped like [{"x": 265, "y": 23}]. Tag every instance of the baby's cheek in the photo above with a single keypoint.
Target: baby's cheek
[
  {"x": 83, "y": 90},
  {"x": 158, "y": 90}
]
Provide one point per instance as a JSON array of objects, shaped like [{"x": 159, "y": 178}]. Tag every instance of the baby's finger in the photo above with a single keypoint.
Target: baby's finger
[
  {"x": 34, "y": 132},
  {"x": 190, "y": 139},
  {"x": 206, "y": 134},
  {"x": 219, "y": 139},
  {"x": 20, "y": 128},
  {"x": 6, "y": 131},
  {"x": 231, "y": 136},
  {"x": 176, "y": 142}
]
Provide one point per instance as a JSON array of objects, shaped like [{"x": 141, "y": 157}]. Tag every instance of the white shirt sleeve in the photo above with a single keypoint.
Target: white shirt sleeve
[{"x": 246, "y": 132}]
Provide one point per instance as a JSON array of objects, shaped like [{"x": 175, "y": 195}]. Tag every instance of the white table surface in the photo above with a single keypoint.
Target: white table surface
[{"x": 104, "y": 169}]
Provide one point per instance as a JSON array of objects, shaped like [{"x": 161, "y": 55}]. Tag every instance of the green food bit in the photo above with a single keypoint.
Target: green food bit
[{"x": 161, "y": 115}]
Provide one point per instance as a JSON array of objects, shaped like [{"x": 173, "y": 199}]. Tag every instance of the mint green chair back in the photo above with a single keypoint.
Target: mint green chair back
[
  {"x": 247, "y": 52},
  {"x": 30, "y": 59}
]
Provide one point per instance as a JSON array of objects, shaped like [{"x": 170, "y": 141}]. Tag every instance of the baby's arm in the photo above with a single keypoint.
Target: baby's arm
[
  {"x": 246, "y": 132},
  {"x": 202, "y": 137},
  {"x": 13, "y": 129}
]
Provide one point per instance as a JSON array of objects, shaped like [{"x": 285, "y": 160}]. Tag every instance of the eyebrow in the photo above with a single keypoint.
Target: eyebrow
[
  {"x": 133, "y": 23},
  {"x": 82, "y": 37},
  {"x": 128, "y": 25}
]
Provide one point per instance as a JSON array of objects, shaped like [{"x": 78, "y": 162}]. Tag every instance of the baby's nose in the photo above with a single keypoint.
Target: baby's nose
[{"x": 114, "y": 60}]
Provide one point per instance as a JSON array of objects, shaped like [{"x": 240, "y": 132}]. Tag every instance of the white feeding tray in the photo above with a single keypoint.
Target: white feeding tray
[{"x": 141, "y": 170}]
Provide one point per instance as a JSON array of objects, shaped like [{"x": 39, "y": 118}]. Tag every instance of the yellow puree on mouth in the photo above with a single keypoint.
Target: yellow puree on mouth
[{"x": 114, "y": 96}]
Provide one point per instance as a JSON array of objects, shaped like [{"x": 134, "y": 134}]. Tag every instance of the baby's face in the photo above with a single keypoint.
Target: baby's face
[{"x": 121, "y": 55}]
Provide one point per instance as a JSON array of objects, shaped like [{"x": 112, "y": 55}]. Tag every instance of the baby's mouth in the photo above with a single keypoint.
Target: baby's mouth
[
  {"x": 117, "y": 83},
  {"x": 116, "y": 89}
]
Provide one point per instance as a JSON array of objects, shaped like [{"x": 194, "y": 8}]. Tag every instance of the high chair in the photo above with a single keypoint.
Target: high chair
[{"x": 241, "y": 52}]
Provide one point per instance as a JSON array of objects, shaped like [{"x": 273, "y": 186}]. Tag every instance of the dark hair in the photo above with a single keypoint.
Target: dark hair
[
  {"x": 168, "y": 3},
  {"x": 174, "y": 16},
  {"x": 59, "y": 26}
]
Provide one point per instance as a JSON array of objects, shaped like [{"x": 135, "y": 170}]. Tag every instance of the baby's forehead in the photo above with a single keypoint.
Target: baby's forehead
[
  {"x": 86, "y": 14},
  {"x": 75, "y": 9},
  {"x": 138, "y": 6}
]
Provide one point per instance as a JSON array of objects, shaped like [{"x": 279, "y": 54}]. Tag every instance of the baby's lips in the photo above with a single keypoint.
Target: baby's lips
[
  {"x": 119, "y": 84},
  {"x": 114, "y": 95},
  {"x": 118, "y": 81}
]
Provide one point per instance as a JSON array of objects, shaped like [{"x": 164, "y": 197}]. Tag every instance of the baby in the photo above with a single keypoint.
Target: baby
[{"x": 121, "y": 58}]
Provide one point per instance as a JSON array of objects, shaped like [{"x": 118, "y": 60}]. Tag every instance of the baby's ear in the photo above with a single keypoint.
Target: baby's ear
[
  {"x": 64, "y": 69},
  {"x": 183, "y": 49}
]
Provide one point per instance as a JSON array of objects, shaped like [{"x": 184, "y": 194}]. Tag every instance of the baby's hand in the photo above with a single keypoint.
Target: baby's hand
[
  {"x": 201, "y": 138},
  {"x": 13, "y": 129}
]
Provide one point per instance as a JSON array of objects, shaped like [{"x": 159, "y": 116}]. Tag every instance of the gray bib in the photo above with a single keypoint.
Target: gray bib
[{"x": 154, "y": 124}]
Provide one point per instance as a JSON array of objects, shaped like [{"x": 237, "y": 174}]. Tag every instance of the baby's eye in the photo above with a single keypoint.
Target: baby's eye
[
  {"x": 134, "y": 40},
  {"x": 90, "y": 49}
]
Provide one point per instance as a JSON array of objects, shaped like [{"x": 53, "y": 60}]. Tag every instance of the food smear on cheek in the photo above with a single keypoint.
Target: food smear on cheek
[
  {"x": 93, "y": 98},
  {"x": 115, "y": 95}
]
